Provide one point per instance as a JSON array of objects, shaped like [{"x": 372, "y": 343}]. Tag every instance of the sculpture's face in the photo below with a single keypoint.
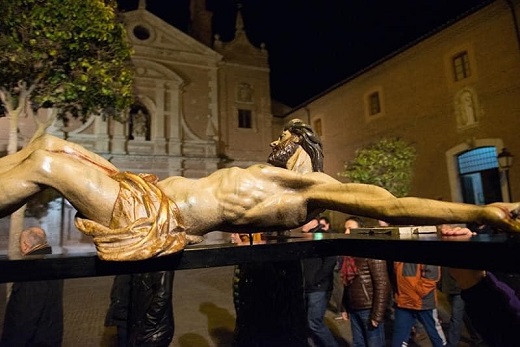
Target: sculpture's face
[
  {"x": 284, "y": 137},
  {"x": 283, "y": 149}
]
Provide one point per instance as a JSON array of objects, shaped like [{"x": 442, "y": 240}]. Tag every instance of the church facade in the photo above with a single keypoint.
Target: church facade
[
  {"x": 199, "y": 101},
  {"x": 201, "y": 104}
]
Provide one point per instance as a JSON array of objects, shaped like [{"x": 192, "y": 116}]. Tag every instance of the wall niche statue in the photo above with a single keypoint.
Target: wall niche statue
[
  {"x": 139, "y": 124},
  {"x": 467, "y": 109}
]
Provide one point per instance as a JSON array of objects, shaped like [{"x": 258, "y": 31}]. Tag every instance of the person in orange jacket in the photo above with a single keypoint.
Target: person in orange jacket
[{"x": 416, "y": 299}]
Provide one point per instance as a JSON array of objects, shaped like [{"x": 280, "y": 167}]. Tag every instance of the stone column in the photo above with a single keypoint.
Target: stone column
[
  {"x": 157, "y": 136},
  {"x": 175, "y": 166},
  {"x": 119, "y": 138},
  {"x": 174, "y": 143},
  {"x": 102, "y": 142}
]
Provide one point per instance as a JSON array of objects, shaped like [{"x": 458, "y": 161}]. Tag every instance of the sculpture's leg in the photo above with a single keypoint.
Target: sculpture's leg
[
  {"x": 85, "y": 186},
  {"x": 53, "y": 144}
]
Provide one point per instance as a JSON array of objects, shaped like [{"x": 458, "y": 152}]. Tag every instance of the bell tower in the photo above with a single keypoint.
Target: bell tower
[{"x": 200, "y": 27}]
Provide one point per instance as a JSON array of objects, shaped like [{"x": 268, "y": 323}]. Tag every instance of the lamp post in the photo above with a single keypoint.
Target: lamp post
[{"x": 505, "y": 160}]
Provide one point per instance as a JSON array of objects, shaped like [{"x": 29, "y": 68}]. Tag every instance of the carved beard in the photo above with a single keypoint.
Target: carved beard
[{"x": 282, "y": 153}]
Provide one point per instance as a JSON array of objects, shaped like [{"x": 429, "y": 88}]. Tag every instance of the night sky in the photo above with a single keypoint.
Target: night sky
[{"x": 314, "y": 44}]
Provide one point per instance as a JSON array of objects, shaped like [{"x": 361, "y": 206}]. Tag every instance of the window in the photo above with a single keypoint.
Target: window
[
  {"x": 142, "y": 33},
  {"x": 461, "y": 67},
  {"x": 245, "y": 119},
  {"x": 479, "y": 159},
  {"x": 374, "y": 104}
]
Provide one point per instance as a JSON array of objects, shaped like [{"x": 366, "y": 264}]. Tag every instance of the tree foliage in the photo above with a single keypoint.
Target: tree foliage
[
  {"x": 67, "y": 54},
  {"x": 387, "y": 163}
]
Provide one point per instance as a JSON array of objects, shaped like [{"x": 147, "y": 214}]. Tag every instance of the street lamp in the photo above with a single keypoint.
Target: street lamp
[{"x": 505, "y": 160}]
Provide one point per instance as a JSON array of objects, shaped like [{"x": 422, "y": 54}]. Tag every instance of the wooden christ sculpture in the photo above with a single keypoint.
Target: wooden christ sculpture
[{"x": 136, "y": 216}]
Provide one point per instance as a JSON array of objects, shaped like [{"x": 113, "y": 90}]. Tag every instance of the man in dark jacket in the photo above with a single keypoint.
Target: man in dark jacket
[
  {"x": 34, "y": 313},
  {"x": 117, "y": 314},
  {"x": 318, "y": 275},
  {"x": 366, "y": 299},
  {"x": 141, "y": 308},
  {"x": 150, "y": 318}
]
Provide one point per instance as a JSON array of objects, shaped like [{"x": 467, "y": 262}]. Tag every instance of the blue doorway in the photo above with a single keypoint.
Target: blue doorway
[{"x": 479, "y": 176}]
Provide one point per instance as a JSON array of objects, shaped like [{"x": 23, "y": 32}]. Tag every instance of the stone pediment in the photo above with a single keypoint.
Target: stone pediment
[
  {"x": 148, "y": 34},
  {"x": 240, "y": 50}
]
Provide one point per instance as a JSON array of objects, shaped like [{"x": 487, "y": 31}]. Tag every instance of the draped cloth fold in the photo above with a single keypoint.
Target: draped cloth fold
[{"x": 145, "y": 222}]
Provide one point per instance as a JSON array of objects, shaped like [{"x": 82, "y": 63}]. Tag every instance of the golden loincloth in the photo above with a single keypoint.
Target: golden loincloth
[{"x": 144, "y": 224}]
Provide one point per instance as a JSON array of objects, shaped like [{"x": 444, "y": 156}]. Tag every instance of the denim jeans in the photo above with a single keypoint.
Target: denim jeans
[
  {"x": 363, "y": 333},
  {"x": 405, "y": 319},
  {"x": 456, "y": 319},
  {"x": 316, "y": 307}
]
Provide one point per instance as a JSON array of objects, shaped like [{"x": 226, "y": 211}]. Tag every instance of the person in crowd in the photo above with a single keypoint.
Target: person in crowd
[
  {"x": 117, "y": 314},
  {"x": 142, "y": 310},
  {"x": 260, "y": 290},
  {"x": 311, "y": 226},
  {"x": 318, "y": 279},
  {"x": 365, "y": 297},
  {"x": 449, "y": 287},
  {"x": 337, "y": 286},
  {"x": 136, "y": 216},
  {"x": 458, "y": 316},
  {"x": 150, "y": 317},
  {"x": 352, "y": 222},
  {"x": 325, "y": 225},
  {"x": 34, "y": 312},
  {"x": 243, "y": 238},
  {"x": 492, "y": 306},
  {"x": 415, "y": 296}
]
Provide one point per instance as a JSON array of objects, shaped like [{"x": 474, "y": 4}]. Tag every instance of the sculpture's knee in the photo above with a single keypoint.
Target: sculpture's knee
[
  {"x": 41, "y": 162},
  {"x": 47, "y": 142}
]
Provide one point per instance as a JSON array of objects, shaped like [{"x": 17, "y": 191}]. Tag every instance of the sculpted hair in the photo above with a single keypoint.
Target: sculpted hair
[{"x": 310, "y": 142}]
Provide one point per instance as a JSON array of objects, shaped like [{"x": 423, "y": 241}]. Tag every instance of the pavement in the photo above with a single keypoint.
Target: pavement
[{"x": 203, "y": 309}]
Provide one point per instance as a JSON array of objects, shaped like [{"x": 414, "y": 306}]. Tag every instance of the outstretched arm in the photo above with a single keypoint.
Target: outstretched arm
[
  {"x": 371, "y": 201},
  {"x": 271, "y": 198}
]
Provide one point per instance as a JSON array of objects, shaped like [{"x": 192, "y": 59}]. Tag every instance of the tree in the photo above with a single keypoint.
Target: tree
[
  {"x": 68, "y": 55},
  {"x": 387, "y": 163}
]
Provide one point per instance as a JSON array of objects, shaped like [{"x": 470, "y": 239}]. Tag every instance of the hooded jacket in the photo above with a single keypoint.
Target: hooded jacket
[{"x": 416, "y": 285}]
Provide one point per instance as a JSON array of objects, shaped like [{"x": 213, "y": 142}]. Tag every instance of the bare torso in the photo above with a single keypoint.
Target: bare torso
[{"x": 261, "y": 195}]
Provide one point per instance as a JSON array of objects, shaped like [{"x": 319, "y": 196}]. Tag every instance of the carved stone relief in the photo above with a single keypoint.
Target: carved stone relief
[{"x": 244, "y": 93}]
